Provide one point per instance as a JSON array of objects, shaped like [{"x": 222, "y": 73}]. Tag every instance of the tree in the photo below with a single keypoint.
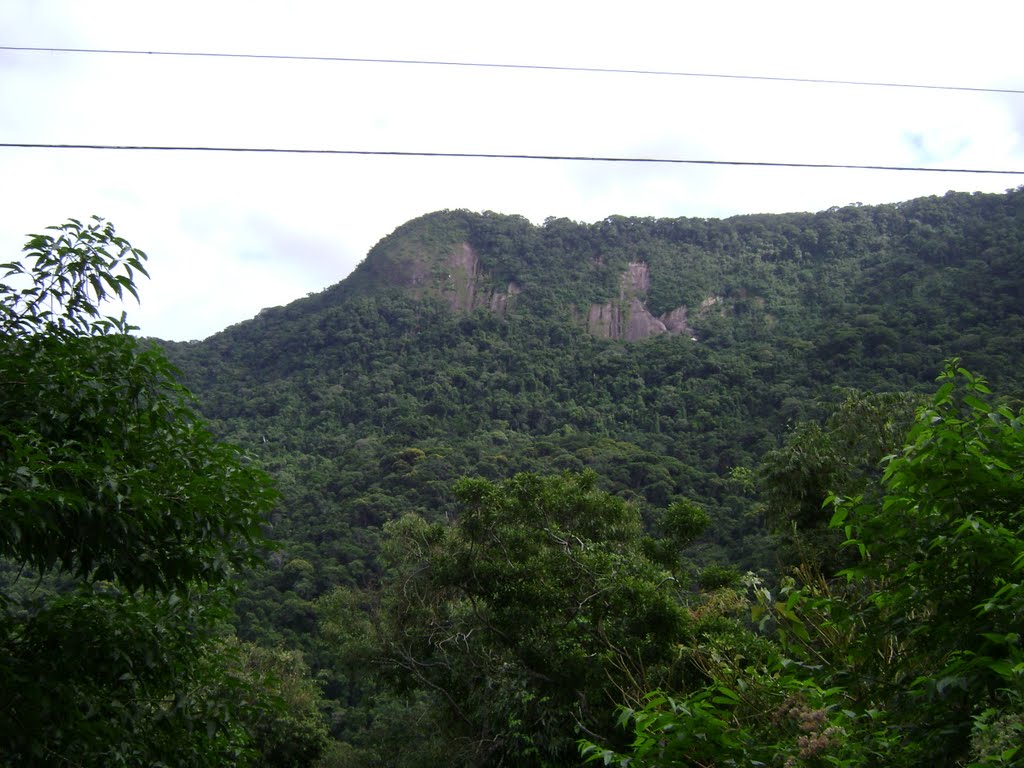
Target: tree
[
  {"x": 525, "y": 621},
  {"x": 285, "y": 736},
  {"x": 911, "y": 656},
  {"x": 846, "y": 452},
  {"x": 940, "y": 560},
  {"x": 130, "y": 519}
]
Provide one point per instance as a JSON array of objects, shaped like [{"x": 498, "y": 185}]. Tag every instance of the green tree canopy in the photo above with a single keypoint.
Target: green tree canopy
[
  {"x": 911, "y": 656},
  {"x": 107, "y": 472},
  {"x": 525, "y": 621},
  {"x": 127, "y": 515}
]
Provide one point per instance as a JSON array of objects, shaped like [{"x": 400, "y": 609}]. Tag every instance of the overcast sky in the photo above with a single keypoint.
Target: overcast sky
[{"x": 230, "y": 234}]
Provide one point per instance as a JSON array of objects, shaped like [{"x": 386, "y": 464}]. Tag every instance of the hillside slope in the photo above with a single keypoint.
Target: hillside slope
[{"x": 666, "y": 354}]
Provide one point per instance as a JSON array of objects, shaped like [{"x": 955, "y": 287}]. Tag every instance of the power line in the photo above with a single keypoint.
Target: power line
[
  {"x": 504, "y": 156},
  {"x": 493, "y": 65}
]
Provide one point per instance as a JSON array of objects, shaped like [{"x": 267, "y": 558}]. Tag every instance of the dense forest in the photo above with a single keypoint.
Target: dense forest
[{"x": 643, "y": 492}]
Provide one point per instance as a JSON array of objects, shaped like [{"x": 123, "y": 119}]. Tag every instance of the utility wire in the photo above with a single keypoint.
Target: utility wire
[
  {"x": 505, "y": 156},
  {"x": 492, "y": 65}
]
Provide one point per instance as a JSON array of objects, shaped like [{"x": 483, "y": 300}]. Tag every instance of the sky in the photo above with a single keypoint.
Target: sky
[{"x": 229, "y": 234}]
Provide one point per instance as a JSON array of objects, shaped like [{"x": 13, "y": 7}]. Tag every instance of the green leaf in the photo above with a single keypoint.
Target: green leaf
[
  {"x": 838, "y": 517},
  {"x": 977, "y": 404}
]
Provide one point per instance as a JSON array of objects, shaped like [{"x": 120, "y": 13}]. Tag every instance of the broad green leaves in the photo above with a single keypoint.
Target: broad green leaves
[
  {"x": 940, "y": 556},
  {"x": 909, "y": 657},
  {"x": 107, "y": 473},
  {"x": 72, "y": 273},
  {"x": 112, "y": 489}
]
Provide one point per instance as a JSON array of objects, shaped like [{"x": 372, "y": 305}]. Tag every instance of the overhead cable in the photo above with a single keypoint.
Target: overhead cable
[
  {"x": 504, "y": 156},
  {"x": 494, "y": 65}
]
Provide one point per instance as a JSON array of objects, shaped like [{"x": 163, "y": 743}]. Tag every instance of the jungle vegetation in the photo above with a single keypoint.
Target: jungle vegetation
[{"x": 784, "y": 531}]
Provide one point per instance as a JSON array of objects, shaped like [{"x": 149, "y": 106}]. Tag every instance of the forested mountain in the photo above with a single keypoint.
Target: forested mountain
[
  {"x": 477, "y": 344},
  {"x": 667, "y": 356}
]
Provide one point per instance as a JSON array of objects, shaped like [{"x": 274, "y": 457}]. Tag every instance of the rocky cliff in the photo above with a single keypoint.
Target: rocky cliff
[{"x": 627, "y": 317}]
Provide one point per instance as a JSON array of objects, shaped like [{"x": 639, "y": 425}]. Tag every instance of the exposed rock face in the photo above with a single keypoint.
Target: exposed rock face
[
  {"x": 675, "y": 321},
  {"x": 460, "y": 284},
  {"x": 500, "y": 301},
  {"x": 628, "y": 318},
  {"x": 641, "y": 322},
  {"x": 459, "y": 280},
  {"x": 638, "y": 276},
  {"x": 604, "y": 319},
  {"x": 461, "y": 287}
]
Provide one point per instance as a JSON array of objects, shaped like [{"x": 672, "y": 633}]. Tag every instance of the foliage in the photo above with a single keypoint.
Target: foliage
[
  {"x": 284, "y": 721},
  {"x": 845, "y": 452},
  {"x": 526, "y": 620},
  {"x": 942, "y": 556},
  {"x": 102, "y": 678},
  {"x": 107, "y": 473},
  {"x": 367, "y": 401},
  {"x": 128, "y": 515},
  {"x": 909, "y": 657},
  {"x": 781, "y": 719}
]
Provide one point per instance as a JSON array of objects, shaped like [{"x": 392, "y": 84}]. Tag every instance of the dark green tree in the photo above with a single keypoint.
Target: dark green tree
[
  {"x": 940, "y": 560},
  {"x": 122, "y": 522},
  {"x": 911, "y": 656},
  {"x": 525, "y": 621},
  {"x": 815, "y": 459}
]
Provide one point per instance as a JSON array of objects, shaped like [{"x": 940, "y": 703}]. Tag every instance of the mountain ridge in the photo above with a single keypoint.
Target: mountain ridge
[
  {"x": 368, "y": 401},
  {"x": 426, "y": 341},
  {"x": 471, "y": 261}
]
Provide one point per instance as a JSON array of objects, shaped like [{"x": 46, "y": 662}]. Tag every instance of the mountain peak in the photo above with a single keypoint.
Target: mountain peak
[{"x": 487, "y": 261}]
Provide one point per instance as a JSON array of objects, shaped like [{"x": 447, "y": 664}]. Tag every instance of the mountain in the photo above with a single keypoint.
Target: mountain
[
  {"x": 669, "y": 356},
  {"x": 666, "y": 354}
]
